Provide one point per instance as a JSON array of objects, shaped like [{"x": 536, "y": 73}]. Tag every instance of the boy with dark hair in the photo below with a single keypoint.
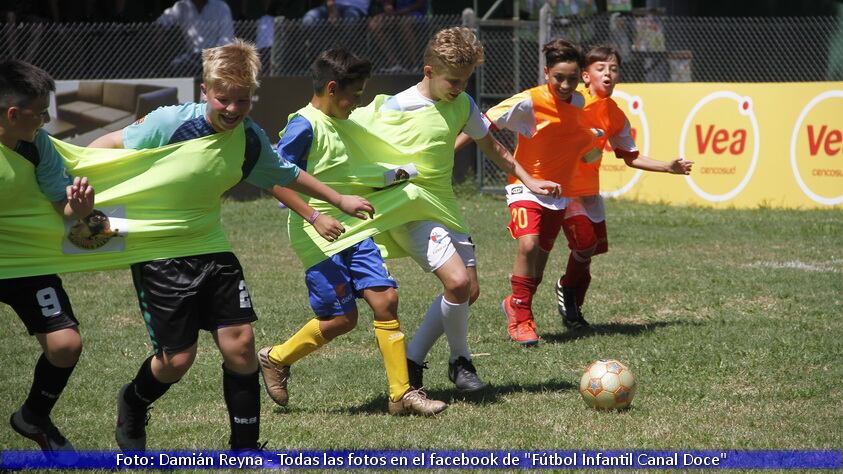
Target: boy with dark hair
[
  {"x": 314, "y": 139},
  {"x": 551, "y": 140},
  {"x": 179, "y": 296},
  {"x": 32, "y": 175},
  {"x": 585, "y": 218}
]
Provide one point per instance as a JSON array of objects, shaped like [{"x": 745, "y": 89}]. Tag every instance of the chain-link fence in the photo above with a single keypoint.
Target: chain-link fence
[
  {"x": 149, "y": 50},
  {"x": 654, "y": 49},
  {"x": 659, "y": 49}
]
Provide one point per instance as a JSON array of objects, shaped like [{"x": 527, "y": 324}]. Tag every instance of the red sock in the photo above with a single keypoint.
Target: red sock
[
  {"x": 576, "y": 272},
  {"x": 523, "y": 289}
]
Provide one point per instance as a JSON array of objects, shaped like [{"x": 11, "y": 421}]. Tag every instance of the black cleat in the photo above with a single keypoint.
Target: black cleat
[
  {"x": 39, "y": 429},
  {"x": 566, "y": 304},
  {"x": 464, "y": 376}
]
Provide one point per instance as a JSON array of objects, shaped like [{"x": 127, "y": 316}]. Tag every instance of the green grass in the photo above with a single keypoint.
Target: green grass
[{"x": 730, "y": 319}]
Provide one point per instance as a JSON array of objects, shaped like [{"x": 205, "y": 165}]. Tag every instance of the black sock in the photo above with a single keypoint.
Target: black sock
[
  {"x": 145, "y": 388},
  {"x": 242, "y": 398},
  {"x": 48, "y": 382}
]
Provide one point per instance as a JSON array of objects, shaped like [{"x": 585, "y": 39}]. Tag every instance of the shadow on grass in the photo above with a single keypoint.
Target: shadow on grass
[
  {"x": 491, "y": 394},
  {"x": 628, "y": 329}
]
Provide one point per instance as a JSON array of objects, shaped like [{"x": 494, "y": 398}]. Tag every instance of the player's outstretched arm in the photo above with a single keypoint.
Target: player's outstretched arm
[
  {"x": 79, "y": 202},
  {"x": 354, "y": 206},
  {"x": 677, "y": 166},
  {"x": 329, "y": 228},
  {"x": 503, "y": 159},
  {"x": 109, "y": 140}
]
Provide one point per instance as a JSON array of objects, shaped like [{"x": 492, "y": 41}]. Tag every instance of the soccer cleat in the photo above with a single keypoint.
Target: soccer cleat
[
  {"x": 130, "y": 432},
  {"x": 416, "y": 372},
  {"x": 39, "y": 429},
  {"x": 523, "y": 332},
  {"x": 275, "y": 377},
  {"x": 415, "y": 402},
  {"x": 566, "y": 303},
  {"x": 464, "y": 376}
]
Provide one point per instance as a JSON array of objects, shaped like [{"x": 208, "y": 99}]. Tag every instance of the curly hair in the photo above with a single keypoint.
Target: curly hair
[
  {"x": 454, "y": 48},
  {"x": 234, "y": 64}
]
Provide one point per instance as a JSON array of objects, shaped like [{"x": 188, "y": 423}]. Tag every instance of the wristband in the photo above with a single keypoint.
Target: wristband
[{"x": 313, "y": 217}]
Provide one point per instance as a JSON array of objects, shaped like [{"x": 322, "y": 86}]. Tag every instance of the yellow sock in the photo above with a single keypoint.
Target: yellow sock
[
  {"x": 308, "y": 339},
  {"x": 391, "y": 344}
]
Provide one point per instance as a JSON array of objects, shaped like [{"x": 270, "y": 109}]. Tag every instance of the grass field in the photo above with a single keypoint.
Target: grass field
[{"x": 731, "y": 320}]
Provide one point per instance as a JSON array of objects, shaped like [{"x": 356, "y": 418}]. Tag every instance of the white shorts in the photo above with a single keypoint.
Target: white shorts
[
  {"x": 431, "y": 244},
  {"x": 589, "y": 206}
]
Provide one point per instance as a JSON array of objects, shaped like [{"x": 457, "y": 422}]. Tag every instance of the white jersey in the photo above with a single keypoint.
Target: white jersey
[{"x": 411, "y": 99}]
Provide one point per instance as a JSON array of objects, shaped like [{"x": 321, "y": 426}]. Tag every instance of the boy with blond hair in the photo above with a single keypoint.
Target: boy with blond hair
[
  {"x": 436, "y": 110},
  {"x": 179, "y": 296},
  {"x": 33, "y": 176},
  {"x": 315, "y": 140}
]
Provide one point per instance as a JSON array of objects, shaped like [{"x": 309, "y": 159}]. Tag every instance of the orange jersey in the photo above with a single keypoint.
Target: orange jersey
[
  {"x": 606, "y": 115},
  {"x": 549, "y": 147}
]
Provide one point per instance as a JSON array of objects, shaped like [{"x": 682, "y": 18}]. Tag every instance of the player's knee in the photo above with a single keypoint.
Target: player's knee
[
  {"x": 176, "y": 365},
  {"x": 460, "y": 287},
  {"x": 65, "y": 354},
  {"x": 585, "y": 253},
  {"x": 62, "y": 348},
  {"x": 528, "y": 247},
  {"x": 345, "y": 323}
]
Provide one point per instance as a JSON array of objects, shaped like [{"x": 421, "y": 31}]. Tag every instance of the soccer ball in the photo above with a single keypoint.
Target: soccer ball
[{"x": 607, "y": 384}]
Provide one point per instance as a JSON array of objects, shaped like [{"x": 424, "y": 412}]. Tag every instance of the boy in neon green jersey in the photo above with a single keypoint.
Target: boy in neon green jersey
[
  {"x": 179, "y": 296},
  {"x": 32, "y": 175},
  {"x": 315, "y": 140}
]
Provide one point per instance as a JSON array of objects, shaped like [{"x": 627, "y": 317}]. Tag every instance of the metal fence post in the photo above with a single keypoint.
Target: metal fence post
[{"x": 545, "y": 23}]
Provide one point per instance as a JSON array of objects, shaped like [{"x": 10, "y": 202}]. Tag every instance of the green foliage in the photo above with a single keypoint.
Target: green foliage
[{"x": 730, "y": 320}]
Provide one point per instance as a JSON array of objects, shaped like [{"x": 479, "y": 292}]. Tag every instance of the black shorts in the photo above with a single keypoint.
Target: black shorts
[
  {"x": 180, "y": 296},
  {"x": 40, "y": 301}
]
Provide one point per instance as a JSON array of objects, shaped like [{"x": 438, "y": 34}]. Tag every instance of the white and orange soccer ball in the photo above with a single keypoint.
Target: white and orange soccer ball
[{"x": 607, "y": 384}]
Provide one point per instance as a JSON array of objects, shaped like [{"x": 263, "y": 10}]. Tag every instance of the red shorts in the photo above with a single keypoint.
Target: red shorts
[
  {"x": 531, "y": 218},
  {"x": 583, "y": 234}
]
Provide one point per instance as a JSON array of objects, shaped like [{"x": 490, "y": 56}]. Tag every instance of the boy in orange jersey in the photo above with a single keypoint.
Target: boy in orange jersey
[
  {"x": 551, "y": 140},
  {"x": 585, "y": 219}
]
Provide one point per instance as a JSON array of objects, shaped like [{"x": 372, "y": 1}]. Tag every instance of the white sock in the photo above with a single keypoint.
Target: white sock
[
  {"x": 455, "y": 321},
  {"x": 428, "y": 332}
]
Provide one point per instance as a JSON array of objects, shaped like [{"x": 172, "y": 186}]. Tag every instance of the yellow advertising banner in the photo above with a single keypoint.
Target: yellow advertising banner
[{"x": 776, "y": 145}]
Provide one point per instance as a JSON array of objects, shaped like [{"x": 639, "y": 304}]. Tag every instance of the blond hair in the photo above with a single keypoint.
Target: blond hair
[
  {"x": 454, "y": 48},
  {"x": 234, "y": 64}
]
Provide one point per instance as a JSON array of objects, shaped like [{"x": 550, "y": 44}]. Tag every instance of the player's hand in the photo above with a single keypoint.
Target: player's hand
[
  {"x": 680, "y": 166},
  {"x": 543, "y": 187},
  {"x": 80, "y": 197},
  {"x": 356, "y": 206},
  {"x": 329, "y": 228}
]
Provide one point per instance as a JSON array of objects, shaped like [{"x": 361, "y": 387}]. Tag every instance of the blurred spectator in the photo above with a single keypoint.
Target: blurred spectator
[
  {"x": 335, "y": 9},
  {"x": 394, "y": 31},
  {"x": 204, "y": 24}
]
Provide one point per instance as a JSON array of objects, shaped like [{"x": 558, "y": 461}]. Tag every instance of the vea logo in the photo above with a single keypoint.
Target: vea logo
[
  {"x": 816, "y": 149},
  {"x": 615, "y": 177},
  {"x": 720, "y": 134}
]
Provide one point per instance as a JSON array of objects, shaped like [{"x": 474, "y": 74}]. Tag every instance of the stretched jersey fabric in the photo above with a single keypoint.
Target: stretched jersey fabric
[
  {"x": 161, "y": 203},
  {"x": 352, "y": 156},
  {"x": 606, "y": 115}
]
